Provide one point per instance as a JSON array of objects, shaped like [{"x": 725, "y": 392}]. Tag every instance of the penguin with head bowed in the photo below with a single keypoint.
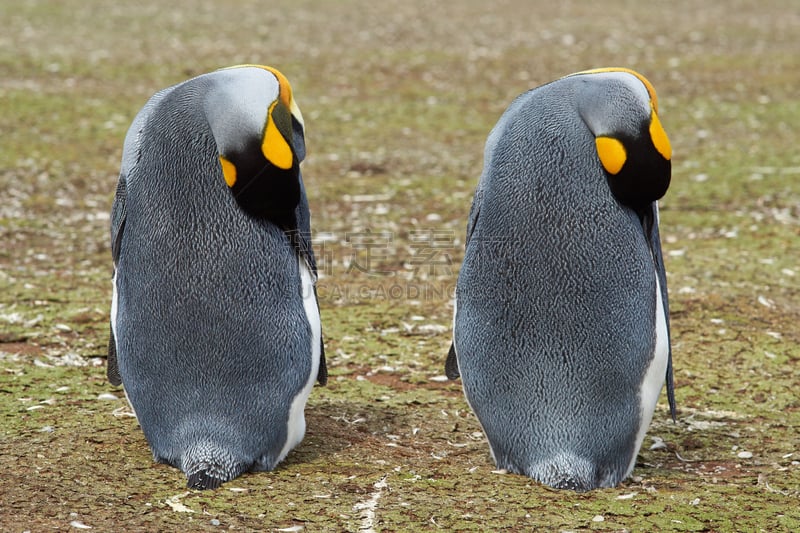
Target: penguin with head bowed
[
  {"x": 561, "y": 327},
  {"x": 215, "y": 325}
]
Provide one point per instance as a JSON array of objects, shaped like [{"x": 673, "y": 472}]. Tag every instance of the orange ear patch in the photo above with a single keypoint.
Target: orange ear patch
[
  {"x": 228, "y": 171},
  {"x": 612, "y": 154}
]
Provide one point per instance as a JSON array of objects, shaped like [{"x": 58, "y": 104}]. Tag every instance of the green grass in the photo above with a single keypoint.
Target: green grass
[{"x": 398, "y": 101}]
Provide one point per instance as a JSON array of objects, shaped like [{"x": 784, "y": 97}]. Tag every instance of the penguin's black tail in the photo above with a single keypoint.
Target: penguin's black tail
[
  {"x": 202, "y": 480},
  {"x": 571, "y": 471},
  {"x": 207, "y": 466}
]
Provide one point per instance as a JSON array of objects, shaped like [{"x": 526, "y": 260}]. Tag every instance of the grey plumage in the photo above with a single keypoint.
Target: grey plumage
[
  {"x": 215, "y": 324},
  {"x": 560, "y": 329}
]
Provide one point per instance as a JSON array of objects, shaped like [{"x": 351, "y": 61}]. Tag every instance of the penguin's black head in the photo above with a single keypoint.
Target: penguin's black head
[
  {"x": 620, "y": 108},
  {"x": 261, "y": 140}
]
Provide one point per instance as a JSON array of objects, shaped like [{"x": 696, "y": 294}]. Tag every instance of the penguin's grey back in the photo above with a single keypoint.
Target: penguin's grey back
[
  {"x": 555, "y": 301},
  {"x": 212, "y": 335}
]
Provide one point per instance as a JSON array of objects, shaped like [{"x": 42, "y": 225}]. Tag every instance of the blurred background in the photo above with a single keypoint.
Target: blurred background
[{"x": 398, "y": 100}]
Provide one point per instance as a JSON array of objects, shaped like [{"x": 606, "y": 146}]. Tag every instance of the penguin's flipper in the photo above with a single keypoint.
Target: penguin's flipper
[
  {"x": 451, "y": 364},
  {"x": 474, "y": 211},
  {"x": 117, "y": 227},
  {"x": 322, "y": 373},
  {"x": 112, "y": 368},
  {"x": 671, "y": 388},
  {"x": 650, "y": 225},
  {"x": 118, "y": 215}
]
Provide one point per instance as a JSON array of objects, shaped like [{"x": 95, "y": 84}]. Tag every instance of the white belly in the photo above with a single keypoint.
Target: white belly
[
  {"x": 114, "y": 310},
  {"x": 114, "y": 306},
  {"x": 297, "y": 422},
  {"x": 654, "y": 377}
]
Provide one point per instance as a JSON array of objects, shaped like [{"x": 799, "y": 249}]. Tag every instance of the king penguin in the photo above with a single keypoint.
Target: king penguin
[
  {"x": 215, "y": 324},
  {"x": 561, "y": 326}
]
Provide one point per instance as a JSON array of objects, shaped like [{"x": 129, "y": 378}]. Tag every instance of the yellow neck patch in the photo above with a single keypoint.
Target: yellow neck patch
[
  {"x": 275, "y": 146},
  {"x": 612, "y": 154},
  {"x": 659, "y": 137}
]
